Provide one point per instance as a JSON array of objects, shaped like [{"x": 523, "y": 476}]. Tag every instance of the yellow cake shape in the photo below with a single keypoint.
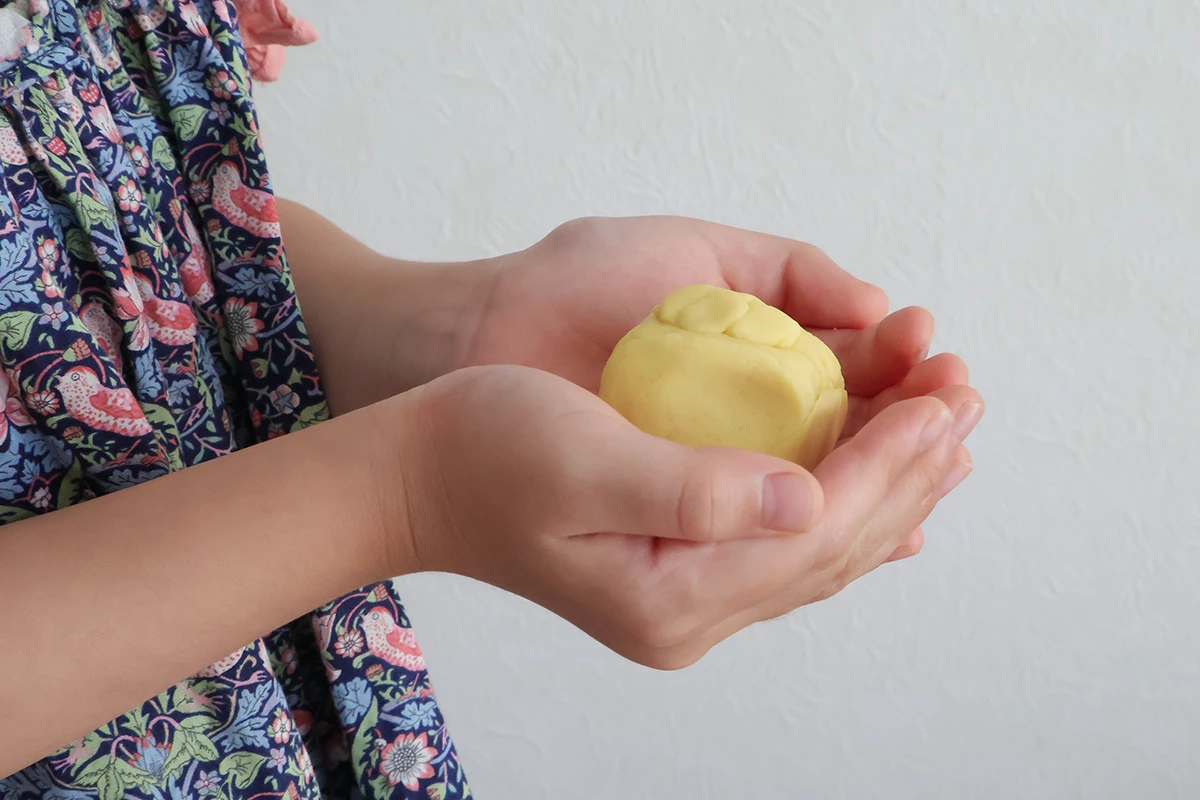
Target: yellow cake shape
[{"x": 714, "y": 367}]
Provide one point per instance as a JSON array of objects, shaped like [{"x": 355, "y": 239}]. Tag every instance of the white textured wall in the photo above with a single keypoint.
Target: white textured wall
[{"x": 1029, "y": 171}]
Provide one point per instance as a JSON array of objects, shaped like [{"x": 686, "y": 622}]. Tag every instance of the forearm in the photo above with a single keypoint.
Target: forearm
[
  {"x": 107, "y": 603},
  {"x": 379, "y": 325}
]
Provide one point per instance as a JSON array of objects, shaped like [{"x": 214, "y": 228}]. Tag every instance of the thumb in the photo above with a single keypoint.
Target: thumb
[{"x": 640, "y": 484}]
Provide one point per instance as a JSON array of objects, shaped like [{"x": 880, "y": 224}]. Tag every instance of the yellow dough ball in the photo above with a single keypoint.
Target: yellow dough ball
[{"x": 715, "y": 367}]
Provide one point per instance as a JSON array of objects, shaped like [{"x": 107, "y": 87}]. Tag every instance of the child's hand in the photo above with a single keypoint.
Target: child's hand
[
  {"x": 563, "y": 304},
  {"x": 521, "y": 479}
]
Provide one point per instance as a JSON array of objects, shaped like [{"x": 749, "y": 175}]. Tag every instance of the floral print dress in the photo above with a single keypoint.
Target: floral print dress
[{"x": 148, "y": 322}]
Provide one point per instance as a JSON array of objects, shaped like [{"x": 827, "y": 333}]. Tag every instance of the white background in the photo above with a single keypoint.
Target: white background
[{"x": 1029, "y": 171}]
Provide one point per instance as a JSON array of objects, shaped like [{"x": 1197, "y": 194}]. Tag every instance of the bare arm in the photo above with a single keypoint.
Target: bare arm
[
  {"x": 248, "y": 542},
  {"x": 88, "y": 625},
  {"x": 380, "y": 325}
]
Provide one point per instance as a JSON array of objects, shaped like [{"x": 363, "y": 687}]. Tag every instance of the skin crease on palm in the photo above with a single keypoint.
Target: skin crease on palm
[{"x": 883, "y": 357}]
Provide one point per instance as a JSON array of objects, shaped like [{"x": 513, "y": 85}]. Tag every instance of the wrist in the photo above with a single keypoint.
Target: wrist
[
  {"x": 398, "y": 467},
  {"x": 435, "y": 311}
]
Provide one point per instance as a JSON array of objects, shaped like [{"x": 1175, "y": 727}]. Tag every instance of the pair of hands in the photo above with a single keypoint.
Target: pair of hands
[{"x": 516, "y": 474}]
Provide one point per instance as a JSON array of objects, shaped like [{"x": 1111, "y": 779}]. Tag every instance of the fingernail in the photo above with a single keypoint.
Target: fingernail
[
  {"x": 957, "y": 474},
  {"x": 966, "y": 420},
  {"x": 936, "y": 428},
  {"x": 787, "y": 503}
]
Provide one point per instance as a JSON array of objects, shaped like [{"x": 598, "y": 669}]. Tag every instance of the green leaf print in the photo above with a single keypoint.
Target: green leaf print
[
  {"x": 381, "y": 786},
  {"x": 68, "y": 490},
  {"x": 119, "y": 78},
  {"x": 135, "y": 720},
  {"x": 79, "y": 246},
  {"x": 132, "y": 776},
  {"x": 92, "y": 771},
  {"x": 161, "y": 153},
  {"x": 198, "y": 722},
  {"x": 15, "y": 327},
  {"x": 364, "y": 738},
  {"x": 437, "y": 791},
  {"x": 242, "y": 768},
  {"x": 188, "y": 119},
  {"x": 311, "y": 415},
  {"x": 200, "y": 746},
  {"x": 179, "y": 758},
  {"x": 164, "y": 419},
  {"x": 110, "y": 786},
  {"x": 102, "y": 773},
  {"x": 10, "y": 514},
  {"x": 93, "y": 213}
]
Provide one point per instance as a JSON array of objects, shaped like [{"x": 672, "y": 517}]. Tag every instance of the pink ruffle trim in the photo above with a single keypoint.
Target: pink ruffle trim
[{"x": 268, "y": 27}]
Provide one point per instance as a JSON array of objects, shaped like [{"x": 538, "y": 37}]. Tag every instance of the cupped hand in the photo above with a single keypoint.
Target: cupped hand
[
  {"x": 563, "y": 304},
  {"x": 522, "y": 479}
]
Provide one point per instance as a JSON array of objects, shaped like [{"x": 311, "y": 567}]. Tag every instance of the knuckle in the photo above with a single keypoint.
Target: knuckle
[
  {"x": 574, "y": 229},
  {"x": 810, "y": 252},
  {"x": 699, "y": 514},
  {"x": 928, "y": 476},
  {"x": 834, "y": 585},
  {"x": 832, "y": 557}
]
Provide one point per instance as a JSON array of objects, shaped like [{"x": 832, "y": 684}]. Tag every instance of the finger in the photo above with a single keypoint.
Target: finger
[
  {"x": 932, "y": 476},
  {"x": 959, "y": 471},
  {"x": 796, "y": 277},
  {"x": 635, "y": 483},
  {"x": 925, "y": 378},
  {"x": 881, "y": 355},
  {"x": 910, "y": 547},
  {"x": 910, "y": 443}
]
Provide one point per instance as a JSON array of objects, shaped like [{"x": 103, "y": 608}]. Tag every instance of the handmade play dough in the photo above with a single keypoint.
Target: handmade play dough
[{"x": 711, "y": 366}]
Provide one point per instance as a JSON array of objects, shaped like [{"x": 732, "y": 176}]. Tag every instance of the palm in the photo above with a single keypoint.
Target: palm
[{"x": 562, "y": 305}]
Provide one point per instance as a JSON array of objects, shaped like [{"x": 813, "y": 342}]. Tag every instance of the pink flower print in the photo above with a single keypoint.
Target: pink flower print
[
  {"x": 288, "y": 657},
  {"x": 191, "y": 18},
  {"x": 220, "y": 113},
  {"x": 406, "y": 761},
  {"x": 242, "y": 325},
  {"x": 306, "y": 767},
  {"x": 102, "y": 118},
  {"x": 129, "y": 196},
  {"x": 11, "y": 408},
  {"x": 200, "y": 192},
  {"x": 281, "y": 727},
  {"x": 44, "y": 402},
  {"x": 207, "y": 783},
  {"x": 47, "y": 251},
  {"x": 284, "y": 399},
  {"x": 54, "y": 315},
  {"x": 41, "y": 498},
  {"x": 278, "y": 759},
  {"x": 221, "y": 84},
  {"x": 349, "y": 644},
  {"x": 141, "y": 163},
  {"x": 49, "y": 285}
]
